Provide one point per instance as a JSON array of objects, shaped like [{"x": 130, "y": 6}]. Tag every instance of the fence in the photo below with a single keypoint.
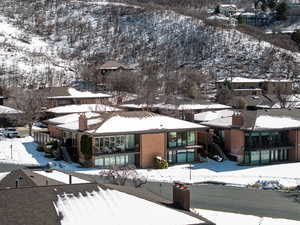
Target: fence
[{"x": 42, "y": 137}]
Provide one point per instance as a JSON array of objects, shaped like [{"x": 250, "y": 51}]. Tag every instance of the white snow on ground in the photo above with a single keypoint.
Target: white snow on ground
[
  {"x": 61, "y": 177},
  {"x": 227, "y": 172},
  {"x": 24, "y": 153},
  {"x": 114, "y": 207},
  {"x": 272, "y": 122},
  {"x": 225, "y": 218}
]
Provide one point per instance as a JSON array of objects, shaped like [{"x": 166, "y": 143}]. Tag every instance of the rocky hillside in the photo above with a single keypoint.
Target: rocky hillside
[{"x": 49, "y": 42}]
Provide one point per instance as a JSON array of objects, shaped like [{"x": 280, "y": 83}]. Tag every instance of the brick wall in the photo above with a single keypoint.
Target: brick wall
[
  {"x": 152, "y": 145},
  {"x": 294, "y": 138},
  {"x": 54, "y": 131},
  {"x": 237, "y": 143}
]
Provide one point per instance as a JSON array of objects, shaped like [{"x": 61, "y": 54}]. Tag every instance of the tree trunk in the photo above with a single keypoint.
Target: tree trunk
[{"x": 30, "y": 129}]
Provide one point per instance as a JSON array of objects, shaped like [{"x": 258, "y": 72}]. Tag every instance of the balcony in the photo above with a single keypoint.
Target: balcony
[{"x": 114, "y": 151}]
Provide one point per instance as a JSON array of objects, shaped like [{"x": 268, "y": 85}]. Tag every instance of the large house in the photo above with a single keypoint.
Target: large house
[
  {"x": 131, "y": 137},
  {"x": 260, "y": 137},
  {"x": 178, "y": 107},
  {"x": 61, "y": 96},
  {"x": 242, "y": 86}
]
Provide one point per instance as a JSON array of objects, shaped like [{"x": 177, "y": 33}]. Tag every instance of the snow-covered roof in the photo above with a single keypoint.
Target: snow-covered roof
[
  {"x": 275, "y": 122},
  {"x": 70, "y": 118},
  {"x": 247, "y": 89},
  {"x": 74, "y": 125},
  {"x": 225, "y": 122},
  {"x": 112, "y": 207},
  {"x": 196, "y": 106},
  {"x": 227, "y": 6},
  {"x": 133, "y": 122},
  {"x": 218, "y": 17},
  {"x": 112, "y": 65},
  {"x": 212, "y": 115},
  {"x": 83, "y": 108},
  {"x": 250, "y": 80},
  {"x": 61, "y": 177},
  {"x": 73, "y": 93},
  {"x": 8, "y": 110}
]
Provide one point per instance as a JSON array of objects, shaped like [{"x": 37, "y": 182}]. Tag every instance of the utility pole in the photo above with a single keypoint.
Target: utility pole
[{"x": 11, "y": 156}]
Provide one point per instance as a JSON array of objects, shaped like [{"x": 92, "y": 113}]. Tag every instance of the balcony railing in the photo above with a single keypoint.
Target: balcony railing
[
  {"x": 261, "y": 148},
  {"x": 110, "y": 151}
]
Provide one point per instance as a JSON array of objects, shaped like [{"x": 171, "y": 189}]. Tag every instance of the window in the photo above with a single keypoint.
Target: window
[
  {"x": 172, "y": 139},
  {"x": 181, "y": 156},
  {"x": 111, "y": 160},
  {"x": 180, "y": 139},
  {"x": 113, "y": 144}
]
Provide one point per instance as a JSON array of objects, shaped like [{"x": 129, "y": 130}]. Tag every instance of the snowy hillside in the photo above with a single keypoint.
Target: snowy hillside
[
  {"x": 74, "y": 33},
  {"x": 26, "y": 59}
]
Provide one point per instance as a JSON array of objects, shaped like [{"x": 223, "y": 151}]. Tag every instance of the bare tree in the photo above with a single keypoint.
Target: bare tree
[
  {"x": 31, "y": 103},
  {"x": 120, "y": 175}
]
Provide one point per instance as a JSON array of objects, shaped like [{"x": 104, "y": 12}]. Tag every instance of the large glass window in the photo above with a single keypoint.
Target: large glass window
[
  {"x": 114, "y": 144},
  {"x": 112, "y": 160},
  {"x": 179, "y": 139},
  {"x": 181, "y": 156}
]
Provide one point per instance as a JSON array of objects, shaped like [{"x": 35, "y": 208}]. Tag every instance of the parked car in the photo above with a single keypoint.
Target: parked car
[
  {"x": 10, "y": 132},
  {"x": 40, "y": 125}
]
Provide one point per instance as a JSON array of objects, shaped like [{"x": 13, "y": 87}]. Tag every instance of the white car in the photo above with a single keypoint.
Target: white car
[{"x": 10, "y": 132}]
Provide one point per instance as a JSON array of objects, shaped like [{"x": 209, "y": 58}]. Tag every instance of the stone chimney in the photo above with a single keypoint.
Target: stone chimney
[
  {"x": 83, "y": 125},
  {"x": 237, "y": 119},
  {"x": 181, "y": 196}
]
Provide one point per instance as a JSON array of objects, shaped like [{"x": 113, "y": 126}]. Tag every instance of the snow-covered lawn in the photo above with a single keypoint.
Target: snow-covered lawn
[
  {"x": 225, "y": 218},
  {"x": 227, "y": 172},
  {"x": 23, "y": 151}
]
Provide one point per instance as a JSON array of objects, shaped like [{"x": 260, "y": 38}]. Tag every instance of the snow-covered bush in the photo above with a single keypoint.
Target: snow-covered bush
[{"x": 160, "y": 163}]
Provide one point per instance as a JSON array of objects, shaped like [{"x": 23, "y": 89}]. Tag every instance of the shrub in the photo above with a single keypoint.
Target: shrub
[
  {"x": 54, "y": 144},
  {"x": 86, "y": 147},
  {"x": 160, "y": 163},
  {"x": 41, "y": 148}
]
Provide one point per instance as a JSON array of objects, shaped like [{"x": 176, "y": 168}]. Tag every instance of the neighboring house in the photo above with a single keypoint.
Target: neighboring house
[
  {"x": 134, "y": 137},
  {"x": 212, "y": 115},
  {"x": 178, "y": 107},
  {"x": 224, "y": 19},
  {"x": 84, "y": 108},
  {"x": 259, "y": 18},
  {"x": 242, "y": 86},
  {"x": 227, "y": 10},
  {"x": 77, "y": 204},
  {"x": 67, "y": 96},
  {"x": 260, "y": 137}
]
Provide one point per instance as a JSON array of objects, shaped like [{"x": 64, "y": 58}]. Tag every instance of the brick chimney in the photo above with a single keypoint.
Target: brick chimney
[
  {"x": 237, "y": 119},
  {"x": 83, "y": 122},
  {"x": 181, "y": 196}
]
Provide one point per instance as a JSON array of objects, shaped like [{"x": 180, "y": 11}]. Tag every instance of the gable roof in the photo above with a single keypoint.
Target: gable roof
[
  {"x": 82, "y": 108},
  {"x": 112, "y": 65},
  {"x": 259, "y": 120},
  {"x": 71, "y": 93},
  {"x": 134, "y": 122},
  {"x": 48, "y": 205}
]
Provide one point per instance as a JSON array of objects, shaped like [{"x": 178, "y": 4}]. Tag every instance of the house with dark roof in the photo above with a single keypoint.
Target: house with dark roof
[
  {"x": 61, "y": 96},
  {"x": 177, "y": 106},
  {"x": 130, "y": 137},
  {"x": 91, "y": 203},
  {"x": 261, "y": 136},
  {"x": 243, "y": 86}
]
